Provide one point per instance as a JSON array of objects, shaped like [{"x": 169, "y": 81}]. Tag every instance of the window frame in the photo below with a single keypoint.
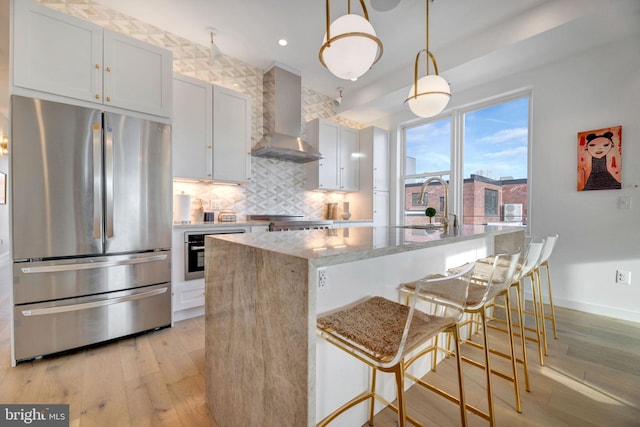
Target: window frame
[
  {"x": 456, "y": 174},
  {"x": 494, "y": 198}
]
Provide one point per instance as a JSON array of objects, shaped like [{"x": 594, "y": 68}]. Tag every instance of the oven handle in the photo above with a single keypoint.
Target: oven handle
[
  {"x": 94, "y": 304},
  {"x": 90, "y": 265},
  {"x": 196, "y": 248}
]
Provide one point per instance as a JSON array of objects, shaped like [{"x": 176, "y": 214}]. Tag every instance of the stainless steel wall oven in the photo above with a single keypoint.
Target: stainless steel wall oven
[{"x": 194, "y": 251}]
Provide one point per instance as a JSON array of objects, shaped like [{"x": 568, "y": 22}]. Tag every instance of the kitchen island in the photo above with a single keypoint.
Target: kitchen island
[{"x": 264, "y": 363}]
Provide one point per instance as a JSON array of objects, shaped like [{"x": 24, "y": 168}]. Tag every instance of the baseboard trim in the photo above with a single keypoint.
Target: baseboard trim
[
  {"x": 603, "y": 310},
  {"x": 587, "y": 307}
]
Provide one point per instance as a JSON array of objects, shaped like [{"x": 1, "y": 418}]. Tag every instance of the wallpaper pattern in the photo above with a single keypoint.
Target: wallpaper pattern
[{"x": 276, "y": 187}]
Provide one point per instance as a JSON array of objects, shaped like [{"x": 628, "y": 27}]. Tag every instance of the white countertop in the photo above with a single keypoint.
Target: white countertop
[{"x": 340, "y": 245}]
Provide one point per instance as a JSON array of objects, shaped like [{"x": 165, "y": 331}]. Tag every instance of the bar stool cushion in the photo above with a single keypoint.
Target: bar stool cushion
[{"x": 377, "y": 324}]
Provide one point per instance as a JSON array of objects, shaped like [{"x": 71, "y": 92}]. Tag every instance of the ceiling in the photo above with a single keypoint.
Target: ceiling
[{"x": 474, "y": 41}]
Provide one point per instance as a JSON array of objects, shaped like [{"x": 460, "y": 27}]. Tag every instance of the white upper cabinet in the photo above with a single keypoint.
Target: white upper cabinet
[
  {"x": 338, "y": 169},
  {"x": 137, "y": 75},
  {"x": 56, "y": 53},
  {"x": 192, "y": 128},
  {"x": 65, "y": 56},
  {"x": 231, "y": 135},
  {"x": 211, "y": 132}
]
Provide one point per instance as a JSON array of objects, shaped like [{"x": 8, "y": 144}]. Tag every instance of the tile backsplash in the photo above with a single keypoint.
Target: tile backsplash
[{"x": 276, "y": 187}]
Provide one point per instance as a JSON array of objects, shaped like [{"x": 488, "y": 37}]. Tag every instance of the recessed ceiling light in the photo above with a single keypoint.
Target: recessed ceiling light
[{"x": 282, "y": 42}]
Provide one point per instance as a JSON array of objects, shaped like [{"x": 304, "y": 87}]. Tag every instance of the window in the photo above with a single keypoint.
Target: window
[
  {"x": 415, "y": 199},
  {"x": 481, "y": 152},
  {"x": 490, "y": 202}
]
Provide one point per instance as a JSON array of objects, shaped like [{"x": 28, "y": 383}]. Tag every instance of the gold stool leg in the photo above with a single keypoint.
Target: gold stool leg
[
  {"x": 372, "y": 403},
  {"x": 514, "y": 363},
  {"x": 463, "y": 412},
  {"x": 434, "y": 356},
  {"x": 553, "y": 311},
  {"x": 522, "y": 336},
  {"x": 398, "y": 371},
  {"x": 536, "y": 316},
  {"x": 543, "y": 325},
  {"x": 485, "y": 338}
]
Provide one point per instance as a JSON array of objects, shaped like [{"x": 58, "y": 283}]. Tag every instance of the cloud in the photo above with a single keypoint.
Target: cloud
[
  {"x": 513, "y": 152},
  {"x": 506, "y": 135}
]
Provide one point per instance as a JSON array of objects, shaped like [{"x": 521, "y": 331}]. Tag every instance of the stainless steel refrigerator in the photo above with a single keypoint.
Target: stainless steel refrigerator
[{"x": 91, "y": 212}]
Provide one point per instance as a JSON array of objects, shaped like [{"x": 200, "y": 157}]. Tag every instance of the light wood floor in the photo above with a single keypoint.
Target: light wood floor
[{"x": 591, "y": 378}]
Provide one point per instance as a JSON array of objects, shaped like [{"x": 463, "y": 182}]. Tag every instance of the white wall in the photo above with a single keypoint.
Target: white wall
[{"x": 592, "y": 90}]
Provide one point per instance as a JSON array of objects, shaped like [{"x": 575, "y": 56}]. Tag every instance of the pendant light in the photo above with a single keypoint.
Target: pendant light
[
  {"x": 350, "y": 46},
  {"x": 431, "y": 93}
]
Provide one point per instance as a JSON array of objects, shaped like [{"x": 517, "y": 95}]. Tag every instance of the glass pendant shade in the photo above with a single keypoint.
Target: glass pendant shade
[
  {"x": 431, "y": 98},
  {"x": 349, "y": 56},
  {"x": 430, "y": 94}
]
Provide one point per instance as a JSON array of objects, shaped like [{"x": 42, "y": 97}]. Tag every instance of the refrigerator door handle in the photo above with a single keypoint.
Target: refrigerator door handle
[
  {"x": 90, "y": 265},
  {"x": 97, "y": 186},
  {"x": 94, "y": 304},
  {"x": 109, "y": 178}
]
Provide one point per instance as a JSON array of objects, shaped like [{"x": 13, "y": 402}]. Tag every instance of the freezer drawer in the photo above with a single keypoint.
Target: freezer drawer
[
  {"x": 70, "y": 278},
  {"x": 55, "y": 326}
]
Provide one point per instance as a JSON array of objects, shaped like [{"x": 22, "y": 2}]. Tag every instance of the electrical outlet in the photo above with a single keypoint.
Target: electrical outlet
[
  {"x": 623, "y": 277},
  {"x": 322, "y": 279}
]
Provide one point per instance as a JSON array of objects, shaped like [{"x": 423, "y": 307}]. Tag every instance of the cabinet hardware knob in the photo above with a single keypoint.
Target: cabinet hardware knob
[
  {"x": 97, "y": 66},
  {"x": 97, "y": 96},
  {"x": 108, "y": 69},
  {"x": 108, "y": 99},
  {"x": 209, "y": 146}
]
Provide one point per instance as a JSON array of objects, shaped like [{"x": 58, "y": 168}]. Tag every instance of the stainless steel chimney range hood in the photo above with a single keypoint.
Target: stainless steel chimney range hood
[{"x": 282, "y": 102}]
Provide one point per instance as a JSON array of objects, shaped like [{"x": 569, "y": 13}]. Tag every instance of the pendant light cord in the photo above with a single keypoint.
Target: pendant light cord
[{"x": 426, "y": 57}]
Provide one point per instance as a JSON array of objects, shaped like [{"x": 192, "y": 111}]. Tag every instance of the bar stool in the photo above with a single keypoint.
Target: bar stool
[
  {"x": 547, "y": 249},
  {"x": 382, "y": 333},
  {"x": 527, "y": 271},
  {"x": 486, "y": 284}
]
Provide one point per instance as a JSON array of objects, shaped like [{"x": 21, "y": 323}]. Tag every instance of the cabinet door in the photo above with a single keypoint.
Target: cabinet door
[
  {"x": 137, "y": 75},
  {"x": 329, "y": 166},
  {"x": 349, "y": 159},
  {"x": 56, "y": 53},
  {"x": 380, "y": 160},
  {"x": 192, "y": 152},
  {"x": 380, "y": 208},
  {"x": 231, "y": 136}
]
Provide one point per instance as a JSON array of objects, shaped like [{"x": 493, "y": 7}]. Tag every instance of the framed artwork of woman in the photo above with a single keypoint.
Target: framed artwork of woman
[{"x": 600, "y": 159}]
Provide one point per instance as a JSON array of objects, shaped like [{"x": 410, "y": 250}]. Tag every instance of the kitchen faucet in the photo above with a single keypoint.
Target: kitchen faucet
[{"x": 445, "y": 216}]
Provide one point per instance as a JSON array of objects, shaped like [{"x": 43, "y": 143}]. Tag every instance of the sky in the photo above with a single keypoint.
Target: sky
[{"x": 495, "y": 142}]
